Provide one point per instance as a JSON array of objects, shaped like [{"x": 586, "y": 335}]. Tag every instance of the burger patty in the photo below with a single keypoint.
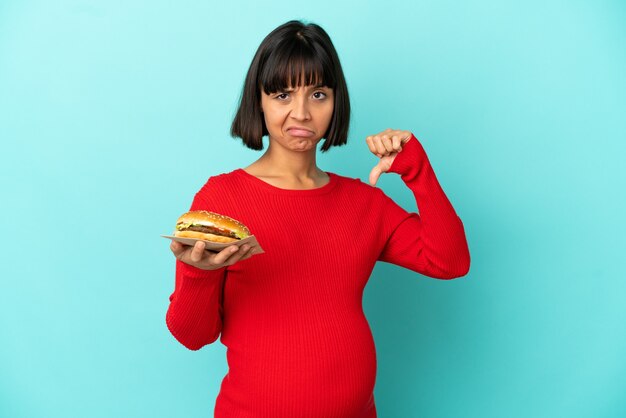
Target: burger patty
[{"x": 211, "y": 230}]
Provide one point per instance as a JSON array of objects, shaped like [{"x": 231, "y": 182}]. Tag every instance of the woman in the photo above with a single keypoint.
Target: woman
[{"x": 298, "y": 343}]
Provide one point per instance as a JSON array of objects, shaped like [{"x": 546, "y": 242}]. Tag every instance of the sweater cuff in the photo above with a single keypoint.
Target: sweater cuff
[
  {"x": 190, "y": 272},
  {"x": 409, "y": 162},
  {"x": 194, "y": 285}
]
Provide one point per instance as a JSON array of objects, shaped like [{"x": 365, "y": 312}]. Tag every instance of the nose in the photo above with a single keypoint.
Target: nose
[{"x": 300, "y": 110}]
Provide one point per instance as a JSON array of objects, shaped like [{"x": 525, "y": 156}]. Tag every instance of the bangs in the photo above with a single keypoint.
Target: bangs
[
  {"x": 294, "y": 55},
  {"x": 296, "y": 65}
]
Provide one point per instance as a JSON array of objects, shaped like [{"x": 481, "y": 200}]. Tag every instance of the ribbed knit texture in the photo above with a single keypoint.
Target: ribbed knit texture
[{"x": 298, "y": 343}]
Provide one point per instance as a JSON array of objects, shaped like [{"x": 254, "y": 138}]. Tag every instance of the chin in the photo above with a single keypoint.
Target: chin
[{"x": 304, "y": 144}]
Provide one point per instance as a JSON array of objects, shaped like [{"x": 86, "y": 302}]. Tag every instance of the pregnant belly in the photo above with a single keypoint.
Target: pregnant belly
[{"x": 327, "y": 370}]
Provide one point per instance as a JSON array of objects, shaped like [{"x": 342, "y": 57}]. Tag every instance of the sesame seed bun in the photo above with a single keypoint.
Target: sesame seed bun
[{"x": 210, "y": 226}]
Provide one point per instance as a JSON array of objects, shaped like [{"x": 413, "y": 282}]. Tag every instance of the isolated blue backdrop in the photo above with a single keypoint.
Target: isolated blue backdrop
[{"x": 114, "y": 113}]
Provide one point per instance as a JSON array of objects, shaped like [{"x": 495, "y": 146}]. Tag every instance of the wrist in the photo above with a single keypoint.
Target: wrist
[{"x": 412, "y": 155}]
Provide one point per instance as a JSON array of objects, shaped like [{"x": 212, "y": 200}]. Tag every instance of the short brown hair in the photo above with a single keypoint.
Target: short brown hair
[{"x": 292, "y": 51}]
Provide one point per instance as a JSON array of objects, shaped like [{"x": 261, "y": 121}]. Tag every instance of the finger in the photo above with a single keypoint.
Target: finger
[
  {"x": 396, "y": 142},
  {"x": 387, "y": 143},
  {"x": 375, "y": 174},
  {"x": 404, "y": 135},
  {"x": 197, "y": 251},
  {"x": 380, "y": 148},
  {"x": 372, "y": 147},
  {"x": 249, "y": 254},
  {"x": 179, "y": 249},
  {"x": 222, "y": 256},
  {"x": 370, "y": 144},
  {"x": 176, "y": 248},
  {"x": 238, "y": 255}
]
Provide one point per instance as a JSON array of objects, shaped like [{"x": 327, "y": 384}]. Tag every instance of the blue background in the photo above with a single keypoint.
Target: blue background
[{"x": 114, "y": 113}]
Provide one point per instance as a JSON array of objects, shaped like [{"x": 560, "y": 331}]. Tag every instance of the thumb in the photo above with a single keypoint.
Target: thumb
[{"x": 375, "y": 174}]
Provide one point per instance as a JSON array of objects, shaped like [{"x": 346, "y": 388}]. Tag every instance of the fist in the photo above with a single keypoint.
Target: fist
[{"x": 385, "y": 145}]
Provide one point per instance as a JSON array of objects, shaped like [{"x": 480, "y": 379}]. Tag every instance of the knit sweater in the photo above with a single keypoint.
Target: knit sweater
[{"x": 298, "y": 343}]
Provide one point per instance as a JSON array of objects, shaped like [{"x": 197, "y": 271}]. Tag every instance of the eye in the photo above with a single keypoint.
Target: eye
[
  {"x": 320, "y": 92},
  {"x": 281, "y": 94}
]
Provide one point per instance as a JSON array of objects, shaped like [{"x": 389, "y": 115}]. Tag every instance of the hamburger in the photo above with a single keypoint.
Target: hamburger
[{"x": 210, "y": 226}]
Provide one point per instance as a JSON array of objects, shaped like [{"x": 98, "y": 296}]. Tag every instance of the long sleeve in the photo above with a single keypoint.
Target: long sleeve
[
  {"x": 432, "y": 242},
  {"x": 291, "y": 318},
  {"x": 194, "y": 315}
]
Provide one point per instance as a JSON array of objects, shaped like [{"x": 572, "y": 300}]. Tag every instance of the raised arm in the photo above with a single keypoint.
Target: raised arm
[{"x": 432, "y": 242}]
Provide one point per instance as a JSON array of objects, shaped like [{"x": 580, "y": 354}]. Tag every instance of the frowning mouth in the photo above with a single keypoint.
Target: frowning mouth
[{"x": 303, "y": 133}]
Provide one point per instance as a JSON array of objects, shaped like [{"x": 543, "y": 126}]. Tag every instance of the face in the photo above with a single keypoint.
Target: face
[{"x": 309, "y": 108}]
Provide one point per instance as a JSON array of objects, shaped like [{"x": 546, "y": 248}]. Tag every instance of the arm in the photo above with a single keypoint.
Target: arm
[
  {"x": 432, "y": 242},
  {"x": 194, "y": 315}
]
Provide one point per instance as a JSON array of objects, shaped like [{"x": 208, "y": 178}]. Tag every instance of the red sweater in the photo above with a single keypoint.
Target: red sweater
[{"x": 298, "y": 343}]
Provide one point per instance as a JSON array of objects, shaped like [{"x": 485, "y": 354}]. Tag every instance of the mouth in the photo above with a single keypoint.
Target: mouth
[{"x": 301, "y": 133}]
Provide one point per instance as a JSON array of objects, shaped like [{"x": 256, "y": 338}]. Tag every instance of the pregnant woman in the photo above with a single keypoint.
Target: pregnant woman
[{"x": 298, "y": 343}]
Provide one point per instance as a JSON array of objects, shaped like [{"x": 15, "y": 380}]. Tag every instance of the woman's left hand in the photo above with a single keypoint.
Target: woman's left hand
[{"x": 385, "y": 145}]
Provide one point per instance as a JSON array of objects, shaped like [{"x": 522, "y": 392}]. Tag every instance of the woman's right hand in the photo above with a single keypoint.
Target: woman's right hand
[{"x": 203, "y": 259}]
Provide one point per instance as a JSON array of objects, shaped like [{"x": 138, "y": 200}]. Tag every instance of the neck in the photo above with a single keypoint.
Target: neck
[{"x": 290, "y": 165}]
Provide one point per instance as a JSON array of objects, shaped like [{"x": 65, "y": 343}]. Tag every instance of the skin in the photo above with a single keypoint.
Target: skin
[
  {"x": 385, "y": 145},
  {"x": 203, "y": 259},
  {"x": 290, "y": 161}
]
